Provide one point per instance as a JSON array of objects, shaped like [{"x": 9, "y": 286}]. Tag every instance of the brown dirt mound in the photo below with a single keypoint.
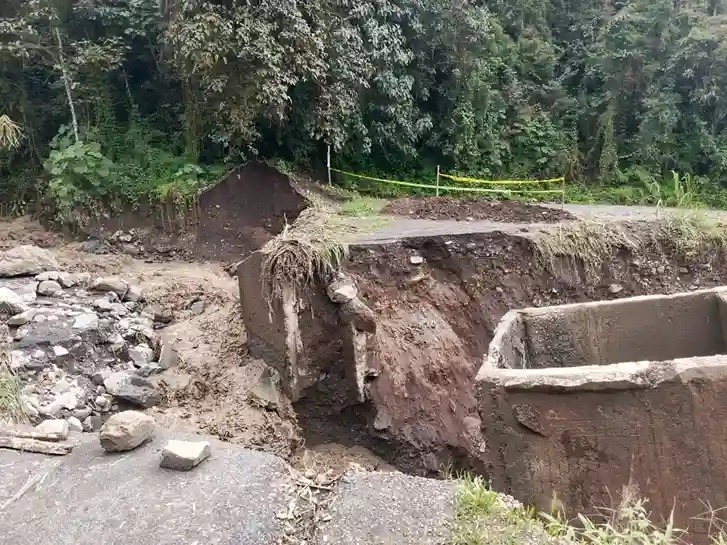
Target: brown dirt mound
[
  {"x": 450, "y": 208},
  {"x": 230, "y": 220}
]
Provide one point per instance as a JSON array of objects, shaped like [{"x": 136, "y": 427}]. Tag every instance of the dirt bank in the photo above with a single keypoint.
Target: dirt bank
[
  {"x": 469, "y": 209},
  {"x": 437, "y": 301}
]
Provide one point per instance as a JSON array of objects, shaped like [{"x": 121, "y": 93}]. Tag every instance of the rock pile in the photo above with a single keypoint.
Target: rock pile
[{"x": 84, "y": 348}]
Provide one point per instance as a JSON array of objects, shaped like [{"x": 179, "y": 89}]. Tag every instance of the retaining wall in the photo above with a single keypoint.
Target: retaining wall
[{"x": 565, "y": 417}]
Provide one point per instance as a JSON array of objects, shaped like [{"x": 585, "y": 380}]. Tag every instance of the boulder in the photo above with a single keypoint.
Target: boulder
[
  {"x": 184, "y": 455},
  {"x": 26, "y": 261},
  {"x": 21, "y": 318},
  {"x": 11, "y": 303},
  {"x": 49, "y": 288},
  {"x": 114, "y": 284},
  {"x": 132, "y": 388},
  {"x": 125, "y": 431}
]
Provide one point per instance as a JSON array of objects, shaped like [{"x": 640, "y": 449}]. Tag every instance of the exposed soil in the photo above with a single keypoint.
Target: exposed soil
[
  {"x": 435, "y": 321},
  {"x": 229, "y": 220},
  {"x": 451, "y": 208}
]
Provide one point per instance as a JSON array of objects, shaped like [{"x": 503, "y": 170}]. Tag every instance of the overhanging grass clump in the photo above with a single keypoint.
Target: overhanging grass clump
[
  {"x": 314, "y": 247},
  {"x": 586, "y": 243},
  {"x": 687, "y": 236}
]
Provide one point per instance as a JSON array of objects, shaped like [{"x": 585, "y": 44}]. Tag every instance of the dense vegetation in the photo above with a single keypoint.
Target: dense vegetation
[{"x": 122, "y": 100}]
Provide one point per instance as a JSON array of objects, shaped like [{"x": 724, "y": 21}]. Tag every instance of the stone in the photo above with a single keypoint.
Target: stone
[
  {"x": 416, "y": 259},
  {"x": 102, "y": 303},
  {"x": 184, "y": 455},
  {"x": 103, "y": 403},
  {"x": 74, "y": 424},
  {"x": 26, "y": 261},
  {"x": 168, "y": 355},
  {"x": 21, "y": 319},
  {"x": 56, "y": 426},
  {"x": 135, "y": 294},
  {"x": 82, "y": 414},
  {"x": 265, "y": 392},
  {"x": 69, "y": 280},
  {"x": 111, "y": 283},
  {"x": 60, "y": 352},
  {"x": 356, "y": 312},
  {"x": 86, "y": 321},
  {"x": 141, "y": 354},
  {"x": 49, "y": 288},
  {"x": 157, "y": 314},
  {"x": 125, "y": 431},
  {"x": 342, "y": 290},
  {"x": 148, "y": 369},
  {"x": 61, "y": 387},
  {"x": 67, "y": 400},
  {"x": 92, "y": 423},
  {"x": 615, "y": 288},
  {"x": 197, "y": 308},
  {"x": 100, "y": 376},
  {"x": 19, "y": 360},
  {"x": 48, "y": 275},
  {"x": 119, "y": 309},
  {"x": 132, "y": 388},
  {"x": 11, "y": 303}
]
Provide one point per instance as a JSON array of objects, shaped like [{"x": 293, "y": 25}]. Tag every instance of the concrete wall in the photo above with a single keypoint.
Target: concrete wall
[
  {"x": 579, "y": 434},
  {"x": 635, "y": 329}
]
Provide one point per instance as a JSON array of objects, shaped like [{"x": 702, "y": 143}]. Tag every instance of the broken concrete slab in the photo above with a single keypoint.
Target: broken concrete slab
[
  {"x": 184, "y": 455},
  {"x": 86, "y": 498}
]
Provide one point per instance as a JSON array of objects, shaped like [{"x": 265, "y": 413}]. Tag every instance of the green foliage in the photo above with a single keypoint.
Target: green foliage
[
  {"x": 80, "y": 174},
  {"x": 615, "y": 95}
]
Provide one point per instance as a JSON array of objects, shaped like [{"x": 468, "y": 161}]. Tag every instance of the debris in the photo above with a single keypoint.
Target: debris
[
  {"x": 11, "y": 303},
  {"x": 33, "y": 445},
  {"x": 126, "y": 430},
  {"x": 26, "y": 261},
  {"x": 184, "y": 455},
  {"x": 53, "y": 428}
]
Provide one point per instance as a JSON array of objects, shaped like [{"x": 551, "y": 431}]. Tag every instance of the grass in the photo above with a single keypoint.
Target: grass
[
  {"x": 315, "y": 246},
  {"x": 363, "y": 207},
  {"x": 483, "y": 518},
  {"x": 688, "y": 235},
  {"x": 11, "y": 405}
]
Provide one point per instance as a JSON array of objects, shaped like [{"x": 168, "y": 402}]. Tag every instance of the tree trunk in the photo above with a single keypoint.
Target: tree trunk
[{"x": 67, "y": 85}]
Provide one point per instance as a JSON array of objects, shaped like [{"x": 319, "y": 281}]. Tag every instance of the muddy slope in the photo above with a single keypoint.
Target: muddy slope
[{"x": 437, "y": 302}]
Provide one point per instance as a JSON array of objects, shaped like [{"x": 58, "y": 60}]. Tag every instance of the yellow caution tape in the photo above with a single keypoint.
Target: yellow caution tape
[
  {"x": 500, "y": 182},
  {"x": 449, "y": 188}
]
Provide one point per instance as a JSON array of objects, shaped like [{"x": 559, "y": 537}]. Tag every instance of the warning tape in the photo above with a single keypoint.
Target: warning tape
[
  {"x": 500, "y": 182},
  {"x": 451, "y": 188}
]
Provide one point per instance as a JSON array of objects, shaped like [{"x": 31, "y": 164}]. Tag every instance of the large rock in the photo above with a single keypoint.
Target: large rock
[
  {"x": 49, "y": 288},
  {"x": 132, "y": 388},
  {"x": 26, "y": 261},
  {"x": 11, "y": 303},
  {"x": 114, "y": 284},
  {"x": 184, "y": 455},
  {"x": 126, "y": 431}
]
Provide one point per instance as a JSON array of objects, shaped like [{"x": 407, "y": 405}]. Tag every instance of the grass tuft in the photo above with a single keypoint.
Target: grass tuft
[
  {"x": 585, "y": 243},
  {"x": 11, "y": 405},
  {"x": 691, "y": 235}
]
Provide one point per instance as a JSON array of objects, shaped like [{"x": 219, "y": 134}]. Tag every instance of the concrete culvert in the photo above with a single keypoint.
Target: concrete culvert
[{"x": 580, "y": 401}]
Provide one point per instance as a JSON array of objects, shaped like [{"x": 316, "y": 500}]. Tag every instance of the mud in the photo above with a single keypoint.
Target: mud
[{"x": 446, "y": 208}]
